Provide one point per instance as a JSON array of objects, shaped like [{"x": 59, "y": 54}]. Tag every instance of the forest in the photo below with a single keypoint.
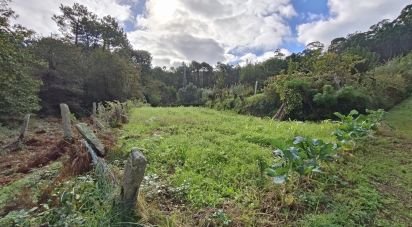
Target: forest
[{"x": 306, "y": 139}]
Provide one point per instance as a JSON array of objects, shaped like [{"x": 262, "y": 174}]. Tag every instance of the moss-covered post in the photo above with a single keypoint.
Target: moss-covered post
[
  {"x": 133, "y": 177},
  {"x": 66, "y": 121}
]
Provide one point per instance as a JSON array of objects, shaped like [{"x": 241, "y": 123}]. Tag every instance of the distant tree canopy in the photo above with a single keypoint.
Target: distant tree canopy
[
  {"x": 84, "y": 28},
  {"x": 93, "y": 62},
  {"x": 388, "y": 39}
]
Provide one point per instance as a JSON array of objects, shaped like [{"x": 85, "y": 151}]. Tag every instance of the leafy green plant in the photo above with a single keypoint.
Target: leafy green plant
[
  {"x": 221, "y": 217},
  {"x": 307, "y": 155},
  {"x": 114, "y": 113},
  {"x": 304, "y": 158},
  {"x": 354, "y": 125}
]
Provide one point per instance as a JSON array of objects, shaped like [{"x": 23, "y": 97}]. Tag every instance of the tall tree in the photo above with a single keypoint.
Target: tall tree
[
  {"x": 73, "y": 21},
  {"x": 18, "y": 87}
]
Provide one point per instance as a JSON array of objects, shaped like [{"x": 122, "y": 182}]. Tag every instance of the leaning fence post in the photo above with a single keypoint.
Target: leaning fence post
[
  {"x": 67, "y": 126},
  {"x": 24, "y": 127},
  {"x": 133, "y": 177},
  {"x": 94, "y": 110}
]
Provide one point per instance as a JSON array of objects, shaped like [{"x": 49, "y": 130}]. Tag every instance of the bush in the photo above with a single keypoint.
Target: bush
[
  {"x": 189, "y": 95},
  {"x": 158, "y": 93},
  {"x": 342, "y": 100},
  {"x": 349, "y": 98},
  {"x": 259, "y": 105}
]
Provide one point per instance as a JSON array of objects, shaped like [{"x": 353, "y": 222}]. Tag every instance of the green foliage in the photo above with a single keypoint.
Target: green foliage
[
  {"x": 307, "y": 155},
  {"x": 387, "y": 38},
  {"x": 110, "y": 76},
  {"x": 251, "y": 73},
  {"x": 189, "y": 95},
  {"x": 158, "y": 93},
  {"x": 64, "y": 78},
  {"x": 18, "y": 86},
  {"x": 113, "y": 114},
  {"x": 342, "y": 100},
  {"x": 295, "y": 93},
  {"x": 259, "y": 105},
  {"x": 85, "y": 29},
  {"x": 327, "y": 98},
  {"x": 304, "y": 158},
  {"x": 354, "y": 125},
  {"x": 78, "y": 78}
]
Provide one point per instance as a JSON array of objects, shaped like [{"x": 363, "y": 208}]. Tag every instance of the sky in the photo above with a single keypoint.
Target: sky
[{"x": 229, "y": 31}]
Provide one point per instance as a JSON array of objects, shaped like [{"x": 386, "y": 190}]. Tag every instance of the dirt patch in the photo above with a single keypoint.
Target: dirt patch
[
  {"x": 43, "y": 145},
  {"x": 45, "y": 157}
]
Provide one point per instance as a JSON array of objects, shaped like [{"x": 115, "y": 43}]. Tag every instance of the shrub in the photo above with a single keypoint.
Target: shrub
[
  {"x": 349, "y": 98},
  {"x": 342, "y": 100},
  {"x": 259, "y": 105},
  {"x": 189, "y": 95}
]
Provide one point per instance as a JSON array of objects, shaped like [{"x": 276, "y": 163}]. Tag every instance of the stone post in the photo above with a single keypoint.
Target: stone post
[
  {"x": 94, "y": 110},
  {"x": 67, "y": 125},
  {"x": 133, "y": 176},
  {"x": 24, "y": 127}
]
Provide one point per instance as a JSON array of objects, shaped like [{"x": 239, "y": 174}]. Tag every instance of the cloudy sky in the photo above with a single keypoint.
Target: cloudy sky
[{"x": 232, "y": 31}]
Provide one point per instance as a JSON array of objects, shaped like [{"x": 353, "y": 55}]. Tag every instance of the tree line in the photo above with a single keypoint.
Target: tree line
[{"x": 92, "y": 60}]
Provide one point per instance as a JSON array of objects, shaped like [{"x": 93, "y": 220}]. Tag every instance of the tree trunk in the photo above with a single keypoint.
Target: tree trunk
[{"x": 280, "y": 114}]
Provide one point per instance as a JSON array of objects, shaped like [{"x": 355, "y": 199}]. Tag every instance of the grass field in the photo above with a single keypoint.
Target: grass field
[
  {"x": 210, "y": 163},
  {"x": 209, "y": 157},
  {"x": 206, "y": 168}
]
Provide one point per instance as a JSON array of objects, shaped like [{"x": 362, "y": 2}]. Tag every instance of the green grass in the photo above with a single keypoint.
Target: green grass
[
  {"x": 213, "y": 155},
  {"x": 400, "y": 118},
  {"x": 210, "y": 160},
  {"x": 377, "y": 180}
]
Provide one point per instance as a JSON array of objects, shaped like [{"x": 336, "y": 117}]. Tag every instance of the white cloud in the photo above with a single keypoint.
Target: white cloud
[
  {"x": 349, "y": 16},
  {"x": 36, "y": 14},
  {"x": 253, "y": 58},
  {"x": 211, "y": 30}
]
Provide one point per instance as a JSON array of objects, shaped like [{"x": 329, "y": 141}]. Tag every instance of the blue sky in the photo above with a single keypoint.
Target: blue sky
[
  {"x": 305, "y": 8},
  {"x": 232, "y": 31}
]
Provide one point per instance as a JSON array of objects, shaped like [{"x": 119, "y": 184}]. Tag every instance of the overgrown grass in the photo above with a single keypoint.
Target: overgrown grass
[
  {"x": 206, "y": 168},
  {"x": 400, "y": 117},
  {"x": 374, "y": 182},
  {"x": 213, "y": 156},
  {"x": 212, "y": 161}
]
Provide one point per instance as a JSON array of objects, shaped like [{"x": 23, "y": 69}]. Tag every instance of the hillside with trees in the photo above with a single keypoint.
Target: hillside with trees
[{"x": 321, "y": 137}]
